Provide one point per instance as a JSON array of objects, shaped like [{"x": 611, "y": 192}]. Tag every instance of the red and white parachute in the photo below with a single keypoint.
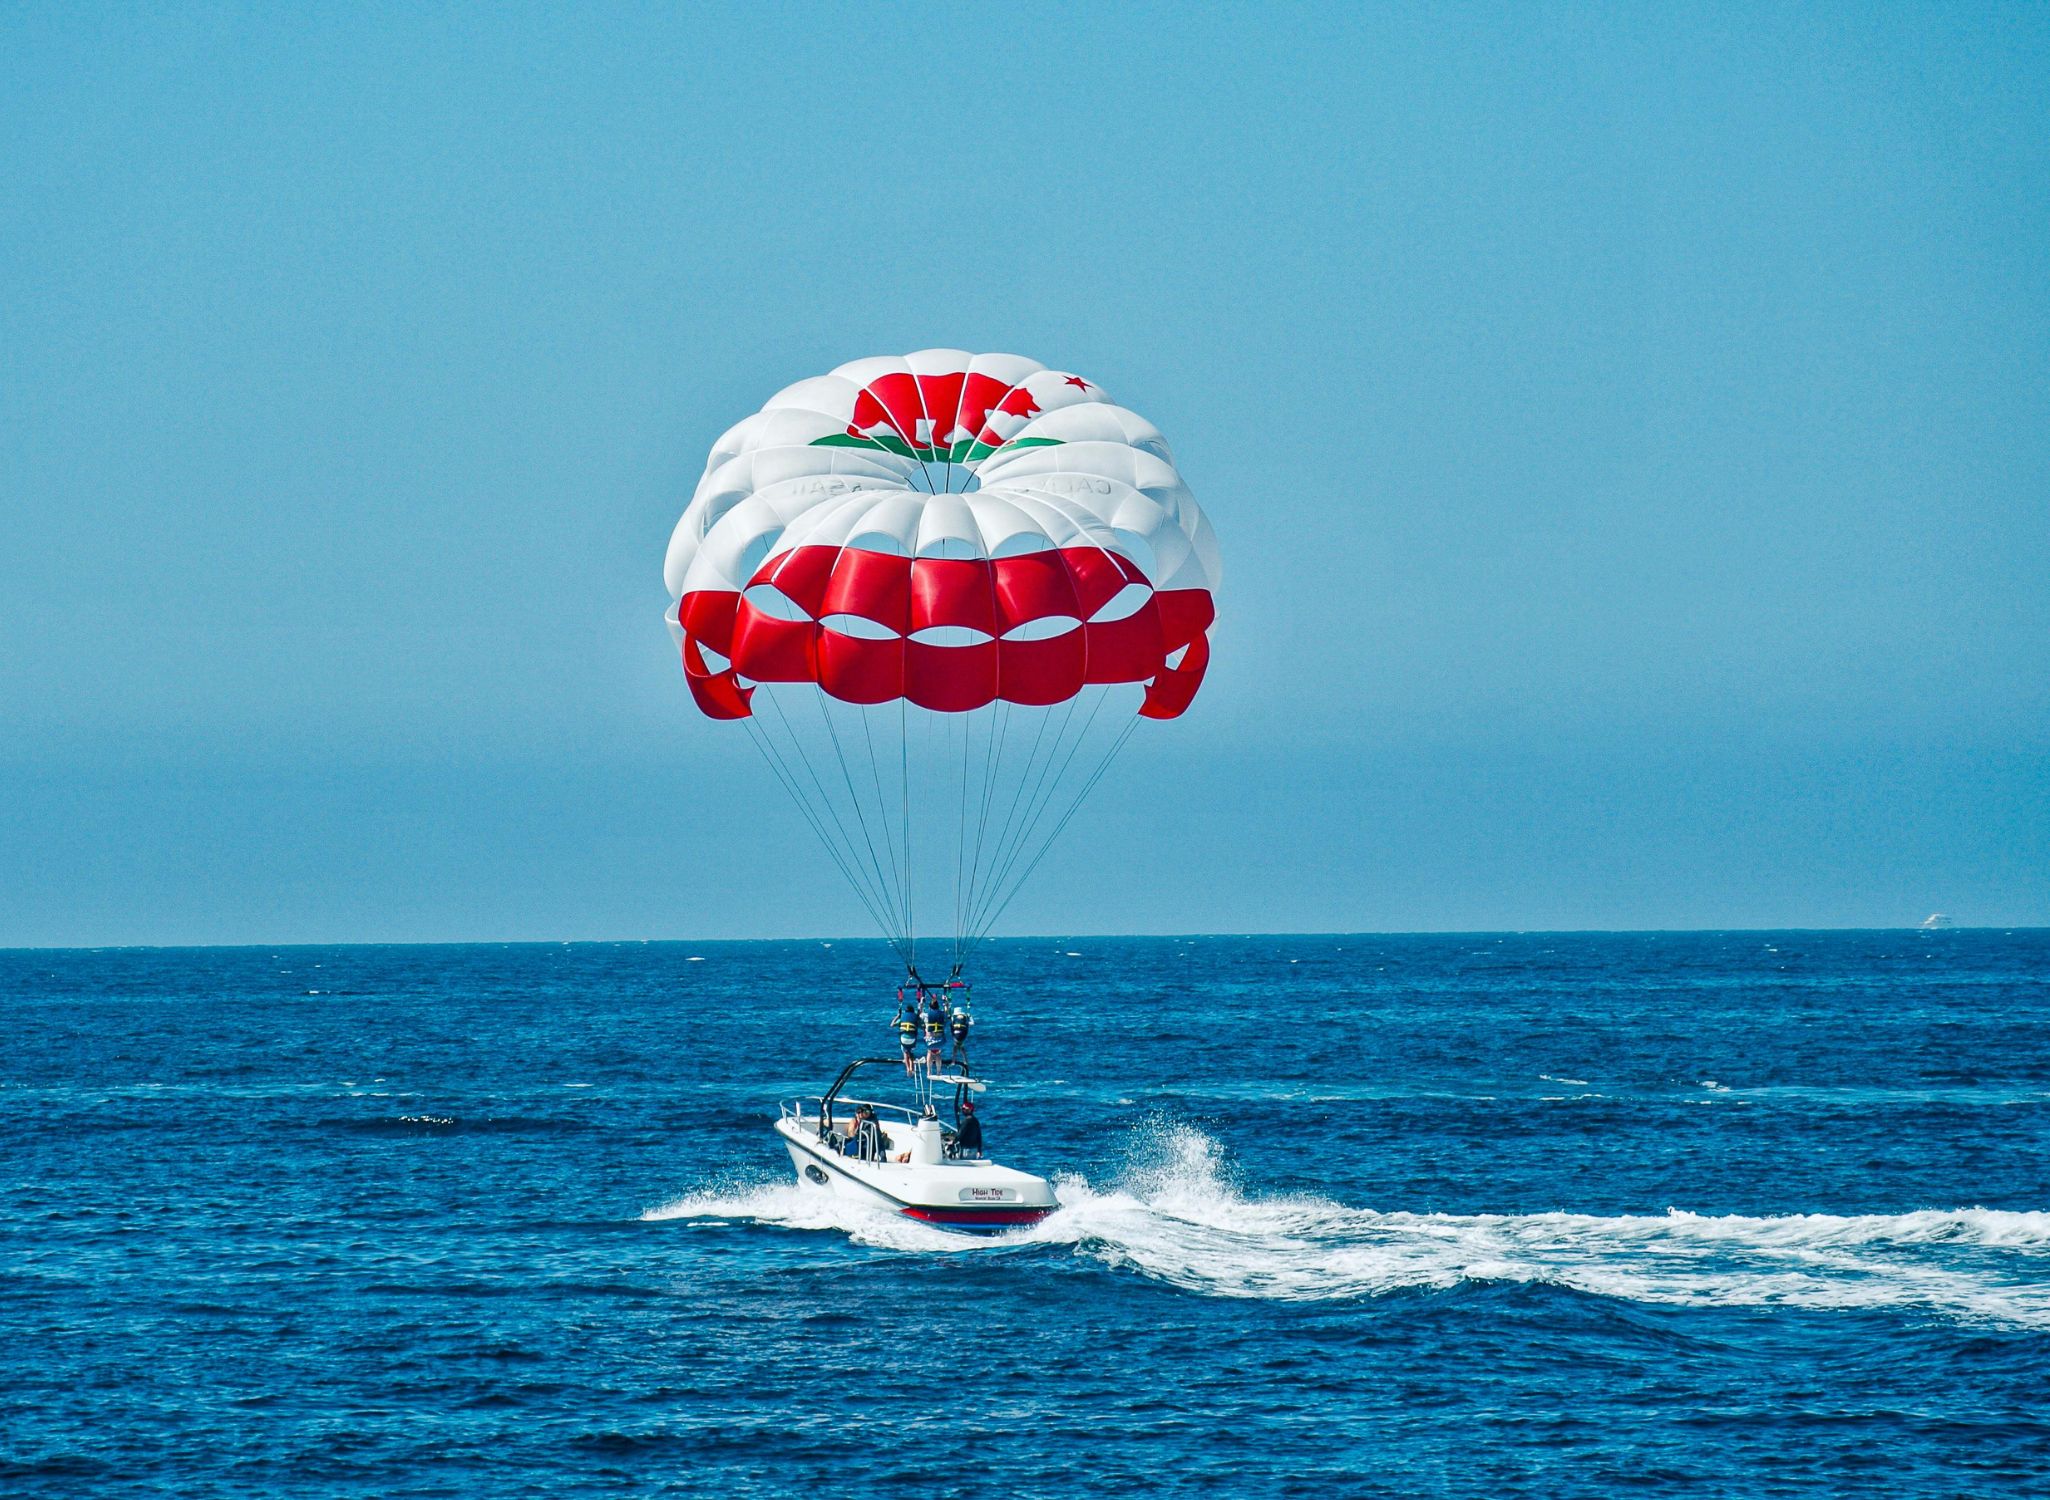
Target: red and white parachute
[{"x": 918, "y": 581}]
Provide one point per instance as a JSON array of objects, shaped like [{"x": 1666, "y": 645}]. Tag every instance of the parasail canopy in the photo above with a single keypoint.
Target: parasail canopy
[{"x": 919, "y": 582}]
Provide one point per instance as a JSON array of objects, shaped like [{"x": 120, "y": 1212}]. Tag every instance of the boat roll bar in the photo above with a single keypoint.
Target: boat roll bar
[{"x": 826, "y": 1100}]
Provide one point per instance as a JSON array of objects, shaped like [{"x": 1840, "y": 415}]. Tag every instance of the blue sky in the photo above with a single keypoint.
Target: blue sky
[{"x": 1626, "y": 431}]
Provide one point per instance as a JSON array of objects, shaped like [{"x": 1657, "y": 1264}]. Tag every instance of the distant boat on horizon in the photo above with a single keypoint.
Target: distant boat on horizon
[{"x": 1935, "y": 921}]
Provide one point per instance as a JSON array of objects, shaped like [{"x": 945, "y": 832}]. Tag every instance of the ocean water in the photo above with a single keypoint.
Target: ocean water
[{"x": 1717, "y": 1214}]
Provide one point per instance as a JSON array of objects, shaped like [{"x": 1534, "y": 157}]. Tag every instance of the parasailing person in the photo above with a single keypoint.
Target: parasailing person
[
  {"x": 935, "y": 1032},
  {"x": 906, "y": 1027},
  {"x": 958, "y": 1022}
]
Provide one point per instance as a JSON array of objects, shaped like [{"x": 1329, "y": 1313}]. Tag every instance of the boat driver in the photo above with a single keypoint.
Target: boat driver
[
  {"x": 968, "y": 1134},
  {"x": 958, "y": 1023}
]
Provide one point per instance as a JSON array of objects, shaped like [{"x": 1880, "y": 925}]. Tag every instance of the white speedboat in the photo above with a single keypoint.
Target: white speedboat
[{"x": 914, "y": 1166}]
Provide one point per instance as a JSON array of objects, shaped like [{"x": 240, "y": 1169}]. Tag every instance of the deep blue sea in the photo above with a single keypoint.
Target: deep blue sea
[{"x": 1718, "y": 1214}]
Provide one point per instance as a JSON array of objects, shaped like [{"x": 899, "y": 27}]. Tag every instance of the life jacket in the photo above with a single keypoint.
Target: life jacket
[{"x": 907, "y": 1033}]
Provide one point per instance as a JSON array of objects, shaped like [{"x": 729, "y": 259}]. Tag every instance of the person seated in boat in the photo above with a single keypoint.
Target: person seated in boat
[
  {"x": 865, "y": 1137},
  {"x": 968, "y": 1134}
]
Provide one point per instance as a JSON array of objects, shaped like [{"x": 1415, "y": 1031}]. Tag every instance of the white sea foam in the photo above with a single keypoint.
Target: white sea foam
[
  {"x": 788, "y": 1205},
  {"x": 1177, "y": 1214}
]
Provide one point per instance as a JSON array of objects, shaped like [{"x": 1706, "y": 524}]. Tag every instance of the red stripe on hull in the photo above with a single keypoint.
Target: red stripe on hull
[{"x": 977, "y": 1216}]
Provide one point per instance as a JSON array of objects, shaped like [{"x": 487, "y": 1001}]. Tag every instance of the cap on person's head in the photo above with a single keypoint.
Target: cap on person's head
[{"x": 969, "y": 1105}]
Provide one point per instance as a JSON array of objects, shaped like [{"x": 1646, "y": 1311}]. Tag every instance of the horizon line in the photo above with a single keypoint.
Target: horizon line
[{"x": 829, "y": 941}]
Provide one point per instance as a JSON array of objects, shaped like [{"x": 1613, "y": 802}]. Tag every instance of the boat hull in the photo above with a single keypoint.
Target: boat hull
[{"x": 965, "y": 1197}]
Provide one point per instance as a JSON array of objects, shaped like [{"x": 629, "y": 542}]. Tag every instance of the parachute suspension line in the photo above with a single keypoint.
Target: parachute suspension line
[
  {"x": 904, "y": 803},
  {"x": 1008, "y": 842},
  {"x": 831, "y": 809},
  {"x": 1010, "y": 816},
  {"x": 995, "y": 859},
  {"x": 843, "y": 852},
  {"x": 992, "y": 777},
  {"x": 898, "y": 882},
  {"x": 1054, "y": 837},
  {"x": 961, "y": 869},
  {"x": 854, "y": 797},
  {"x": 1103, "y": 765},
  {"x": 772, "y": 758},
  {"x": 1009, "y": 847},
  {"x": 992, "y": 767},
  {"x": 882, "y": 903},
  {"x": 1054, "y": 781},
  {"x": 994, "y": 740},
  {"x": 1060, "y": 827},
  {"x": 960, "y": 841}
]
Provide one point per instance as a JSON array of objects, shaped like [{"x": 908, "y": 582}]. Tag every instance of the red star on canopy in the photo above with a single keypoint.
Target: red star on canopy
[{"x": 1077, "y": 382}]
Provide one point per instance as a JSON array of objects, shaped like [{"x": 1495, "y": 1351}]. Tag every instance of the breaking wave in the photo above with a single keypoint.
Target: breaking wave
[{"x": 1176, "y": 1214}]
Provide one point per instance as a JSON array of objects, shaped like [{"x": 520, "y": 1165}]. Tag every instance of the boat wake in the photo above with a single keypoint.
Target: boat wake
[{"x": 1176, "y": 1215}]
